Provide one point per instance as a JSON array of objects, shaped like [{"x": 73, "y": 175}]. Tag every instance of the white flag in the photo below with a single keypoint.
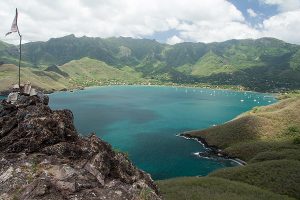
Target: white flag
[{"x": 14, "y": 26}]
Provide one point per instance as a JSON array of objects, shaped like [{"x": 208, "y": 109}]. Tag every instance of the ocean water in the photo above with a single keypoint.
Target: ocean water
[{"x": 144, "y": 121}]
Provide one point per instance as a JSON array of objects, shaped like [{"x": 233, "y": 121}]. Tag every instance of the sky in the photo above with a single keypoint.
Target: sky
[{"x": 167, "y": 21}]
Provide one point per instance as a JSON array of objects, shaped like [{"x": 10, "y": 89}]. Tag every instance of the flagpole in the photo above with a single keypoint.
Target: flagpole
[{"x": 20, "y": 55}]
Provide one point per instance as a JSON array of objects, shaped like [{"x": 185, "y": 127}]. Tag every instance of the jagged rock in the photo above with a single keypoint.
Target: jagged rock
[
  {"x": 43, "y": 157},
  {"x": 6, "y": 175},
  {"x": 27, "y": 88},
  {"x": 12, "y": 97}
]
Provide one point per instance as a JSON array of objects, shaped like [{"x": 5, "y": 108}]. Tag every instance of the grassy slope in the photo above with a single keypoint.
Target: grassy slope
[
  {"x": 268, "y": 128},
  {"x": 204, "y": 188},
  {"x": 208, "y": 64},
  {"x": 295, "y": 61},
  {"x": 279, "y": 176},
  {"x": 87, "y": 72},
  {"x": 268, "y": 138},
  {"x": 211, "y": 63},
  {"x": 40, "y": 79},
  {"x": 9, "y": 54},
  {"x": 233, "y": 55},
  {"x": 4, "y": 45},
  {"x": 78, "y": 73}
]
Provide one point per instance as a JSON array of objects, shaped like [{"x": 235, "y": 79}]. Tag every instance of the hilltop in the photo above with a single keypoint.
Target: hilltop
[
  {"x": 268, "y": 139},
  {"x": 42, "y": 156},
  {"x": 265, "y": 64}
]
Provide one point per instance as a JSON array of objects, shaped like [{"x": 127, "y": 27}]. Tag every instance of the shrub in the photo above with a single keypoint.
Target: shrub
[
  {"x": 292, "y": 130},
  {"x": 196, "y": 188},
  {"x": 126, "y": 154},
  {"x": 296, "y": 140},
  {"x": 279, "y": 176}
]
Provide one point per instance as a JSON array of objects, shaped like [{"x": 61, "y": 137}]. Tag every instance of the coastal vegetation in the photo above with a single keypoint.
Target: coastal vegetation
[
  {"x": 89, "y": 72},
  {"x": 279, "y": 175},
  {"x": 267, "y": 138},
  {"x": 197, "y": 188},
  {"x": 270, "y": 128}
]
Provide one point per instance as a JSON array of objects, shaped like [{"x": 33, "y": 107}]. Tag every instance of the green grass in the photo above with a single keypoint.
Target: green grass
[
  {"x": 38, "y": 78},
  {"x": 275, "y": 122},
  {"x": 211, "y": 63},
  {"x": 268, "y": 138},
  {"x": 88, "y": 72},
  {"x": 211, "y": 188},
  {"x": 290, "y": 94},
  {"x": 249, "y": 150},
  {"x": 78, "y": 73},
  {"x": 295, "y": 61},
  {"x": 279, "y": 176},
  {"x": 279, "y": 154},
  {"x": 265, "y": 64}
]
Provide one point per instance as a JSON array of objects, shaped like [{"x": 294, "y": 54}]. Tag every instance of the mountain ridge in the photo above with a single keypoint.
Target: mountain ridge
[{"x": 249, "y": 62}]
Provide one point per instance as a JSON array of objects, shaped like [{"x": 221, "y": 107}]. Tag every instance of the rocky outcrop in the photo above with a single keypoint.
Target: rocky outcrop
[{"x": 43, "y": 157}]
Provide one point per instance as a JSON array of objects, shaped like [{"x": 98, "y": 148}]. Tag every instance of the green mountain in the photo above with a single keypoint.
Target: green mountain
[
  {"x": 265, "y": 64},
  {"x": 209, "y": 64},
  {"x": 117, "y": 52},
  {"x": 6, "y": 52}
]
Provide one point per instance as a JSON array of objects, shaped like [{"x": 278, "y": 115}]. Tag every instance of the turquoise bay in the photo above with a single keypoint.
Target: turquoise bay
[{"x": 144, "y": 122}]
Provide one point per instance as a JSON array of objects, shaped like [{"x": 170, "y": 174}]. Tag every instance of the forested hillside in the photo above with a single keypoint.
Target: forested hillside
[{"x": 265, "y": 64}]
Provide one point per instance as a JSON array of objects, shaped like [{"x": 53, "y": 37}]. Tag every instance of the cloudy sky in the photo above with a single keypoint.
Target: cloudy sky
[{"x": 167, "y": 21}]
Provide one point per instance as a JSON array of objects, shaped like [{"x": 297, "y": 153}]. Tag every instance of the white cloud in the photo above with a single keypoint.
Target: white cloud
[
  {"x": 191, "y": 20},
  {"x": 219, "y": 31},
  {"x": 284, "y": 26},
  {"x": 41, "y": 20},
  {"x": 251, "y": 12},
  {"x": 174, "y": 40},
  {"x": 283, "y": 5}
]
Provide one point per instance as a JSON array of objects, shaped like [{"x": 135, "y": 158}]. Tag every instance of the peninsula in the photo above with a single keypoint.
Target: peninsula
[{"x": 267, "y": 138}]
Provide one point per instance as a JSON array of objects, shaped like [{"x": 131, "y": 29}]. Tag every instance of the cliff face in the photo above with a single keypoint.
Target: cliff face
[{"x": 43, "y": 157}]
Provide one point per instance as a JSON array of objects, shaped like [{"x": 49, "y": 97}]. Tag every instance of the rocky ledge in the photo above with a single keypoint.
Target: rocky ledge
[
  {"x": 212, "y": 151},
  {"x": 42, "y": 156}
]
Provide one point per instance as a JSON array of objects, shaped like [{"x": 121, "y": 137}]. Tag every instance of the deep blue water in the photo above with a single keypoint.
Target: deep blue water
[{"x": 144, "y": 121}]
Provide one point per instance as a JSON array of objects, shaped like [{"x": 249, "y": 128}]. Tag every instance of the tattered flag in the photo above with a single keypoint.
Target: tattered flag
[{"x": 14, "y": 26}]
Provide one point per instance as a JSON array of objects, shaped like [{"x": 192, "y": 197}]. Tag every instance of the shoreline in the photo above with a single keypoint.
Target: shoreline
[
  {"x": 275, "y": 95},
  {"x": 217, "y": 87},
  {"x": 204, "y": 86},
  {"x": 213, "y": 151}
]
